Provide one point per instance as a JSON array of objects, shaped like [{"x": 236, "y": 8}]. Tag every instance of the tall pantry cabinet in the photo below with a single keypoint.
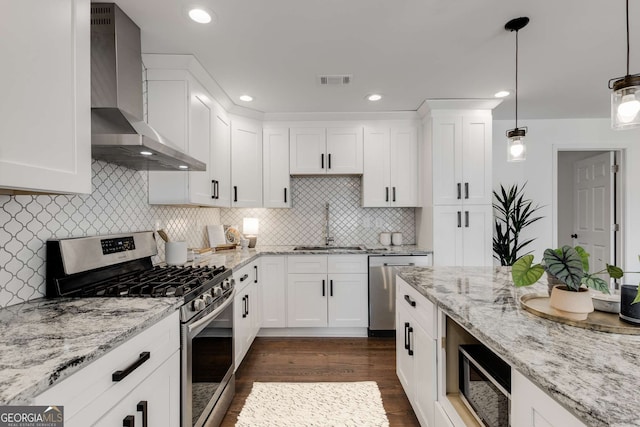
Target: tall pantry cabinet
[{"x": 462, "y": 189}]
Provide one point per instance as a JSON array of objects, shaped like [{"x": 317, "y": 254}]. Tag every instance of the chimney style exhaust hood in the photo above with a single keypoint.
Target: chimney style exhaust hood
[{"x": 118, "y": 132}]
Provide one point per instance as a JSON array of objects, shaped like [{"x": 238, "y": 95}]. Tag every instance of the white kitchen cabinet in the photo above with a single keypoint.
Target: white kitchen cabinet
[
  {"x": 462, "y": 235},
  {"x": 91, "y": 396},
  {"x": 416, "y": 350},
  {"x": 45, "y": 113},
  {"x": 327, "y": 291},
  {"x": 246, "y": 163},
  {"x": 462, "y": 158},
  {"x": 532, "y": 407},
  {"x": 276, "y": 178},
  {"x": 390, "y": 177},
  {"x": 246, "y": 310},
  {"x": 331, "y": 151},
  {"x": 220, "y": 164},
  {"x": 273, "y": 291},
  {"x": 179, "y": 108}
]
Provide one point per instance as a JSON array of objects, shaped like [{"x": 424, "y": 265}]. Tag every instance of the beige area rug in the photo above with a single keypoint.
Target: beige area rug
[{"x": 313, "y": 405}]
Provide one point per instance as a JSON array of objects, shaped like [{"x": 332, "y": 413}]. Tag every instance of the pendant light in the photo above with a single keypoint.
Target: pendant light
[
  {"x": 625, "y": 98},
  {"x": 516, "y": 148}
]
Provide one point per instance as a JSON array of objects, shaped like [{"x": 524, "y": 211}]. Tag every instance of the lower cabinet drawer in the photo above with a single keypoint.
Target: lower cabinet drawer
[
  {"x": 96, "y": 383},
  {"x": 418, "y": 305}
]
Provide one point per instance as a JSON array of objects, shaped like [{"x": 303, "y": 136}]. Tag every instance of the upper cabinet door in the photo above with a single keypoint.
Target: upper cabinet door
[
  {"x": 476, "y": 160},
  {"x": 447, "y": 173},
  {"x": 45, "y": 113},
  {"x": 376, "y": 187},
  {"x": 404, "y": 167},
  {"x": 200, "y": 186},
  {"x": 344, "y": 151},
  {"x": 246, "y": 164},
  {"x": 307, "y": 151},
  {"x": 277, "y": 190},
  {"x": 221, "y": 158}
]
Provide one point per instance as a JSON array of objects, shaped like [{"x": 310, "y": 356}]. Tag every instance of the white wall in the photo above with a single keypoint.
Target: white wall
[{"x": 544, "y": 139}]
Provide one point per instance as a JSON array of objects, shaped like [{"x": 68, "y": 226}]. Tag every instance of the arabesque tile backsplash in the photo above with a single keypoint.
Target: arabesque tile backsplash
[{"x": 118, "y": 203}]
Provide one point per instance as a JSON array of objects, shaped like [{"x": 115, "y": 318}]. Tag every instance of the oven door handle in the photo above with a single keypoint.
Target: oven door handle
[{"x": 206, "y": 319}]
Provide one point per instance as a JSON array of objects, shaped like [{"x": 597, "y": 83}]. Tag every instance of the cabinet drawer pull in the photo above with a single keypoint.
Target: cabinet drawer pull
[
  {"x": 323, "y": 288},
  {"x": 408, "y": 299},
  {"x": 120, "y": 375},
  {"x": 459, "y": 192},
  {"x": 235, "y": 193},
  {"x": 466, "y": 190},
  {"x": 285, "y": 194},
  {"x": 142, "y": 407},
  {"x": 386, "y": 197},
  {"x": 406, "y": 342},
  {"x": 410, "y": 350},
  {"x": 329, "y": 161},
  {"x": 321, "y": 161},
  {"x": 243, "y": 278},
  {"x": 129, "y": 421}
]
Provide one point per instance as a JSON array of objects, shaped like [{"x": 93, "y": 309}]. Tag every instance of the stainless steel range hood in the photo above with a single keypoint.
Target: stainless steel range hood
[{"x": 118, "y": 132}]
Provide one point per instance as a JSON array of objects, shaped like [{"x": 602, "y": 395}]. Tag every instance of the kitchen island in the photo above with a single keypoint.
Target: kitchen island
[{"x": 592, "y": 374}]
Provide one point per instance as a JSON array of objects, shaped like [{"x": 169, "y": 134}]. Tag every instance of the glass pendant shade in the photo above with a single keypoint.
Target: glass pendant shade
[
  {"x": 516, "y": 148},
  {"x": 625, "y": 103}
]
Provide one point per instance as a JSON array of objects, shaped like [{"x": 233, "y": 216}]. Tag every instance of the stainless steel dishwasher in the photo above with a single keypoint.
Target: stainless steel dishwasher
[{"x": 382, "y": 290}]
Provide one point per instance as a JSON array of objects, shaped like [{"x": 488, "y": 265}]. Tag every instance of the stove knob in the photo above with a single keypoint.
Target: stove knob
[
  {"x": 216, "y": 292},
  {"x": 207, "y": 298},
  {"x": 198, "y": 304}
]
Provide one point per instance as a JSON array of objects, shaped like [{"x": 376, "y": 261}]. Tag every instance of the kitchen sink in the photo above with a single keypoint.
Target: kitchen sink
[{"x": 328, "y": 248}]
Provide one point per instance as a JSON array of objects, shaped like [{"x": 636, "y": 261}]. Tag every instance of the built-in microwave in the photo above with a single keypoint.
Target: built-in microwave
[{"x": 485, "y": 385}]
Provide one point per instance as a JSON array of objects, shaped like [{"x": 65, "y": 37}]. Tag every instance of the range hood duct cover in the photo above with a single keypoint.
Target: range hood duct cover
[{"x": 118, "y": 132}]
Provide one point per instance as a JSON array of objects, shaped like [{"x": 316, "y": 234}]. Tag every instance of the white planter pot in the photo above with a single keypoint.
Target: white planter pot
[{"x": 577, "y": 305}]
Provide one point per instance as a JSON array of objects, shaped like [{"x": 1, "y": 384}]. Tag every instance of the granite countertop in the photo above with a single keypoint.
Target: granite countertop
[
  {"x": 45, "y": 341},
  {"x": 593, "y": 374}
]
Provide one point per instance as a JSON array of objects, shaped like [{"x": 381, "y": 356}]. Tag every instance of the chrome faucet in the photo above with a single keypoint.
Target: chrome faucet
[{"x": 328, "y": 238}]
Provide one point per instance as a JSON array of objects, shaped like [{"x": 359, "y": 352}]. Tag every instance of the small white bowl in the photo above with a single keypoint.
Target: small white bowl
[{"x": 605, "y": 302}]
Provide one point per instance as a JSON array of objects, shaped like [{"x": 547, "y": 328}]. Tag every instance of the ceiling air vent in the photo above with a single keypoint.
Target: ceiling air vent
[{"x": 335, "y": 80}]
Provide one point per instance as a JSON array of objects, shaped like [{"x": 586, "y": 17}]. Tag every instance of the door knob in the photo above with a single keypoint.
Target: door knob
[{"x": 574, "y": 236}]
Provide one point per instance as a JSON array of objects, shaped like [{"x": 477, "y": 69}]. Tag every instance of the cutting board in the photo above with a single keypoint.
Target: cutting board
[{"x": 216, "y": 235}]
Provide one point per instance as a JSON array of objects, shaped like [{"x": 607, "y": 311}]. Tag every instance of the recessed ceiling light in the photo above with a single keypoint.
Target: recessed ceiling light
[
  {"x": 502, "y": 94},
  {"x": 200, "y": 15},
  {"x": 246, "y": 98},
  {"x": 146, "y": 153},
  {"x": 183, "y": 167},
  {"x": 374, "y": 97}
]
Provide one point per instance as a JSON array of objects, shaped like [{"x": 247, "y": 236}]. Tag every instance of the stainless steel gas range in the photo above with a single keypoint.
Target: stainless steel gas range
[{"x": 121, "y": 266}]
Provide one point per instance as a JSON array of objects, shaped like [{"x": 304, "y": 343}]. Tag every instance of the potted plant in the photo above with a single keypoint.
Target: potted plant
[
  {"x": 570, "y": 266},
  {"x": 512, "y": 214}
]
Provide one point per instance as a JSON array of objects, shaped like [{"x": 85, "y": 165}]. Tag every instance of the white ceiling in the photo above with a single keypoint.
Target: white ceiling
[{"x": 408, "y": 50}]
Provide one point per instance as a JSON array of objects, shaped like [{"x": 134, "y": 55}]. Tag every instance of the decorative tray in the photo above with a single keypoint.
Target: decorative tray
[
  {"x": 538, "y": 304},
  {"x": 225, "y": 247}
]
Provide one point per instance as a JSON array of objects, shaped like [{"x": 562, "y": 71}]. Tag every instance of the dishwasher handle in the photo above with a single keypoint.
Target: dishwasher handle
[{"x": 411, "y": 264}]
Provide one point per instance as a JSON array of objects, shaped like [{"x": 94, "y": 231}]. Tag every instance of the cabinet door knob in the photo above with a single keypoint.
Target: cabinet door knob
[
  {"x": 142, "y": 407},
  {"x": 129, "y": 421},
  {"x": 574, "y": 236}
]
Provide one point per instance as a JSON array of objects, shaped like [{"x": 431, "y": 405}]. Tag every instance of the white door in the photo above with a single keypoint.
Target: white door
[
  {"x": 593, "y": 203},
  {"x": 348, "y": 300},
  {"x": 344, "y": 151},
  {"x": 246, "y": 164},
  {"x": 476, "y": 160},
  {"x": 307, "y": 151},
  {"x": 200, "y": 187},
  {"x": 221, "y": 158},
  {"x": 447, "y": 235},
  {"x": 404, "y": 167},
  {"x": 307, "y": 300},
  {"x": 447, "y": 172},
  {"x": 277, "y": 191},
  {"x": 376, "y": 189}
]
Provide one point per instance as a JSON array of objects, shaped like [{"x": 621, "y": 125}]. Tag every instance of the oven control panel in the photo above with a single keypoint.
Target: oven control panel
[{"x": 120, "y": 244}]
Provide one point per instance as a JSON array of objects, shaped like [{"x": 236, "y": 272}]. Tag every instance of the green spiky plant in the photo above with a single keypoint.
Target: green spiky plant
[
  {"x": 512, "y": 214},
  {"x": 568, "y": 264}
]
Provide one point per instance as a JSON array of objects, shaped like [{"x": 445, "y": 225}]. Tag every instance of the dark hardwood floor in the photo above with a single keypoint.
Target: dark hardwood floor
[{"x": 324, "y": 359}]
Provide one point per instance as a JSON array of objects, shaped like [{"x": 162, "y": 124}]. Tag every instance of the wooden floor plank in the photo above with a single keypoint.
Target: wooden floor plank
[{"x": 324, "y": 359}]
